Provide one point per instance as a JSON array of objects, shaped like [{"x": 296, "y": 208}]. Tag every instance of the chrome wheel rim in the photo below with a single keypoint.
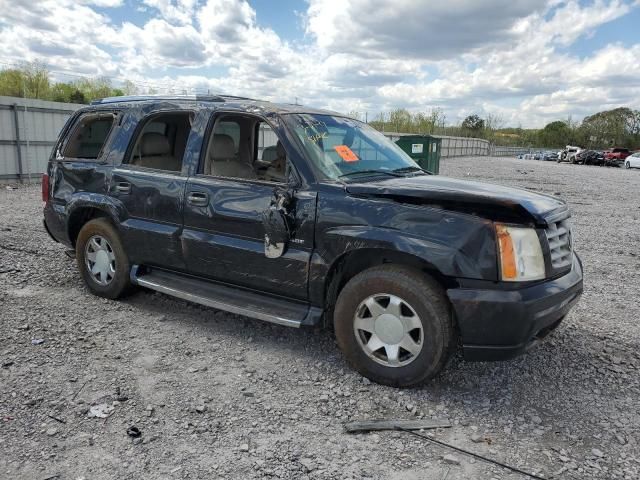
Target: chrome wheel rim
[
  {"x": 388, "y": 330},
  {"x": 100, "y": 260}
]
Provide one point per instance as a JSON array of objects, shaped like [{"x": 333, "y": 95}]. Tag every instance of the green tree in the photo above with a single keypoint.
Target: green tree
[
  {"x": 36, "y": 79},
  {"x": 11, "y": 83},
  {"x": 473, "y": 123},
  {"x": 556, "y": 134},
  {"x": 617, "y": 127}
]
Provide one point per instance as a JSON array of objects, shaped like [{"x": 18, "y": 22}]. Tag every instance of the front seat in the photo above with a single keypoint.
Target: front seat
[{"x": 223, "y": 161}]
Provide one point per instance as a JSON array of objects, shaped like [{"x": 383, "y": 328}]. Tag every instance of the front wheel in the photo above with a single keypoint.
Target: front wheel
[
  {"x": 102, "y": 261},
  {"x": 627, "y": 165},
  {"x": 394, "y": 326}
]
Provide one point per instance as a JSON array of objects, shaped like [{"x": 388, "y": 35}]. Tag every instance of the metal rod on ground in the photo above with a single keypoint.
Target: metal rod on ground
[{"x": 475, "y": 455}]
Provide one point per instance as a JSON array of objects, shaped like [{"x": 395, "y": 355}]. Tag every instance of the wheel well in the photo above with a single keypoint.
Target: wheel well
[
  {"x": 352, "y": 263},
  {"x": 78, "y": 219}
]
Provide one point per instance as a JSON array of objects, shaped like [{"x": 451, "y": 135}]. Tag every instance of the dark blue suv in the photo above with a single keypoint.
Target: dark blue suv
[{"x": 305, "y": 217}]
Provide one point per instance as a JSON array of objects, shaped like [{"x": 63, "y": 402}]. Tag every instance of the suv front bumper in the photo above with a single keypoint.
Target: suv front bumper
[{"x": 501, "y": 324}]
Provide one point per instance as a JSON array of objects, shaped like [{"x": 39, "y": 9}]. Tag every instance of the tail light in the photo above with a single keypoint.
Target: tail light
[{"x": 45, "y": 187}]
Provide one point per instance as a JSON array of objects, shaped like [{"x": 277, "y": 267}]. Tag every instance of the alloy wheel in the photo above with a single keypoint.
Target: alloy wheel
[
  {"x": 100, "y": 260},
  {"x": 388, "y": 330}
]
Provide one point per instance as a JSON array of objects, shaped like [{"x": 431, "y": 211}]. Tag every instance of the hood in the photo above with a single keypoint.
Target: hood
[{"x": 491, "y": 201}]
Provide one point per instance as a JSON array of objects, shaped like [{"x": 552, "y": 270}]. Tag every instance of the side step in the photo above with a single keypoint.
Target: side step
[{"x": 222, "y": 297}]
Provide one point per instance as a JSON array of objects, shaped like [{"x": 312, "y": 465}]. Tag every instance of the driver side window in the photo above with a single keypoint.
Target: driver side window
[{"x": 244, "y": 147}]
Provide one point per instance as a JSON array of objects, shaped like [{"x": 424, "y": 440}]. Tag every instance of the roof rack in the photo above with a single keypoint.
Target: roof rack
[{"x": 143, "y": 98}]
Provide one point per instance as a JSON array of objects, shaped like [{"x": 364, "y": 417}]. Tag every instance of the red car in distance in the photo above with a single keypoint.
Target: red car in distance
[{"x": 616, "y": 156}]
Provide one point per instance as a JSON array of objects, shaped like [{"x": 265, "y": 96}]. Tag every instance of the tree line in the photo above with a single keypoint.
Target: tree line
[
  {"x": 619, "y": 127},
  {"x": 34, "y": 81}
]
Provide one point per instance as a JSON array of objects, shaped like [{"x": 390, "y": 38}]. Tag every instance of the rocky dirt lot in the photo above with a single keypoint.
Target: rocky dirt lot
[{"x": 216, "y": 395}]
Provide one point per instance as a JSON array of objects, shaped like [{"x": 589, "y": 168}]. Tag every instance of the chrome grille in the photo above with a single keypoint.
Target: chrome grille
[{"x": 559, "y": 238}]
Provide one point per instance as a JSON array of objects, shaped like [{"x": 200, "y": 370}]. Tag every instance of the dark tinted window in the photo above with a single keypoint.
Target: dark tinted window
[{"x": 89, "y": 136}]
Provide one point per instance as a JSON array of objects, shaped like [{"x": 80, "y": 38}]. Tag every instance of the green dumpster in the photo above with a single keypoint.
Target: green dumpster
[{"x": 424, "y": 149}]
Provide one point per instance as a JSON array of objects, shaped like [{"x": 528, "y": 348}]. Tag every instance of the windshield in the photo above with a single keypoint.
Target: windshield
[{"x": 343, "y": 148}]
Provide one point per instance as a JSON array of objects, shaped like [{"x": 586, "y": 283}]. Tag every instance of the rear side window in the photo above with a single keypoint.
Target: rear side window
[
  {"x": 161, "y": 143},
  {"x": 89, "y": 136}
]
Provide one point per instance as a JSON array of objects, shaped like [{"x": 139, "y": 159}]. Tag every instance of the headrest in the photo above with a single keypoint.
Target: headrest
[
  {"x": 154, "y": 143},
  {"x": 222, "y": 147},
  {"x": 269, "y": 154},
  {"x": 281, "y": 151}
]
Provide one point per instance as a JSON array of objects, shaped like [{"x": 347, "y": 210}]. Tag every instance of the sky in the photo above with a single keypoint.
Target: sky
[{"x": 526, "y": 62}]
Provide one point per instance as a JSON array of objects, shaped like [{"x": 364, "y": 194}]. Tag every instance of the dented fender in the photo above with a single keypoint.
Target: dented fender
[{"x": 456, "y": 245}]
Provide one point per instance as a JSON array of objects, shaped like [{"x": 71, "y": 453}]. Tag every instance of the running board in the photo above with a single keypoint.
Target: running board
[{"x": 222, "y": 297}]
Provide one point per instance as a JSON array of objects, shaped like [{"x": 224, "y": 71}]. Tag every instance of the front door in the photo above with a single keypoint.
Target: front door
[{"x": 240, "y": 176}]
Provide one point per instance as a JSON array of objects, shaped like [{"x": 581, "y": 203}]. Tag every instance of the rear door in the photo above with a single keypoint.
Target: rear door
[
  {"x": 224, "y": 231},
  {"x": 150, "y": 185}
]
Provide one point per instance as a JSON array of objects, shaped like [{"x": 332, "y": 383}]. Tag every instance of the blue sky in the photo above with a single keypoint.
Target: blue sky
[
  {"x": 525, "y": 62},
  {"x": 624, "y": 30}
]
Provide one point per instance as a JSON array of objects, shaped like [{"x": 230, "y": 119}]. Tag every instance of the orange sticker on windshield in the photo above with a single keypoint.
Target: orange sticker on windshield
[{"x": 346, "y": 153}]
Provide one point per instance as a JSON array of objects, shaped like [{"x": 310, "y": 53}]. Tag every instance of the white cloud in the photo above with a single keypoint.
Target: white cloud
[
  {"x": 506, "y": 57},
  {"x": 174, "y": 11},
  {"x": 414, "y": 29}
]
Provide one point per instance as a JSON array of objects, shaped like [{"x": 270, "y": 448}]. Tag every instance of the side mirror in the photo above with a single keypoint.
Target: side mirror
[{"x": 276, "y": 225}]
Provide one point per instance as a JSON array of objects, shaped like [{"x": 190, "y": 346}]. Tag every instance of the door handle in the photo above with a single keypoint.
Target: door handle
[
  {"x": 123, "y": 187},
  {"x": 199, "y": 199}
]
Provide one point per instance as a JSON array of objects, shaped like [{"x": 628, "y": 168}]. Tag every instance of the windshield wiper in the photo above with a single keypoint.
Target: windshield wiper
[
  {"x": 371, "y": 172},
  {"x": 410, "y": 170}
]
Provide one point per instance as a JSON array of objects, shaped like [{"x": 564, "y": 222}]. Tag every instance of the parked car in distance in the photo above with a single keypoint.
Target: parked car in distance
[
  {"x": 569, "y": 154},
  {"x": 632, "y": 161},
  {"x": 305, "y": 217},
  {"x": 616, "y": 156},
  {"x": 590, "y": 157},
  {"x": 550, "y": 156}
]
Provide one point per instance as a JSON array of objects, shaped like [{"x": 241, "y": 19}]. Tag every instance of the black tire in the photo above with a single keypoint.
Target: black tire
[
  {"x": 120, "y": 283},
  {"x": 430, "y": 303},
  {"x": 627, "y": 165}
]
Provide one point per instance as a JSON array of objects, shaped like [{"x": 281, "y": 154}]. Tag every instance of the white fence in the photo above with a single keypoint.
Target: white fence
[
  {"x": 28, "y": 131},
  {"x": 454, "y": 146}
]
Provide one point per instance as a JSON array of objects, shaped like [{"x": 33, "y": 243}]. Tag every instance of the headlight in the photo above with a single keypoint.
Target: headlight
[{"x": 521, "y": 256}]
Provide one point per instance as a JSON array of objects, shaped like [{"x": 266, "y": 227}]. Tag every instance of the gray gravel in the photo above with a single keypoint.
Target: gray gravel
[{"x": 216, "y": 395}]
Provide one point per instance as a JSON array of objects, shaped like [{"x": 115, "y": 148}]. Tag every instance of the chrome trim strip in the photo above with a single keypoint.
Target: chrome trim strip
[{"x": 216, "y": 304}]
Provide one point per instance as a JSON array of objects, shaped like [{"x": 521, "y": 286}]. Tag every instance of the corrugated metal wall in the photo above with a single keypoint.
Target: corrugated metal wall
[
  {"x": 38, "y": 124},
  {"x": 454, "y": 146}
]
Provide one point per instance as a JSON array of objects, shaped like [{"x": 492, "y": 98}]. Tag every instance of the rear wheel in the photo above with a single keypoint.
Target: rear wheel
[
  {"x": 101, "y": 259},
  {"x": 394, "y": 326},
  {"x": 627, "y": 165}
]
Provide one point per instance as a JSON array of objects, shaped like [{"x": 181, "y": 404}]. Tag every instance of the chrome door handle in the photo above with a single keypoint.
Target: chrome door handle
[
  {"x": 123, "y": 187},
  {"x": 199, "y": 199}
]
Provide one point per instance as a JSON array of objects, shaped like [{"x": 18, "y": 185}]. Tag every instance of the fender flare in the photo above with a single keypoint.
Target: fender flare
[{"x": 112, "y": 208}]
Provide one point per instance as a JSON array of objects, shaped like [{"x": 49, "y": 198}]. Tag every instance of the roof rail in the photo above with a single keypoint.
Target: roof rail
[{"x": 143, "y": 98}]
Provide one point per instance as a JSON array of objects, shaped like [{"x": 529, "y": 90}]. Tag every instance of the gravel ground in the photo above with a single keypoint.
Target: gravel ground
[{"x": 216, "y": 395}]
